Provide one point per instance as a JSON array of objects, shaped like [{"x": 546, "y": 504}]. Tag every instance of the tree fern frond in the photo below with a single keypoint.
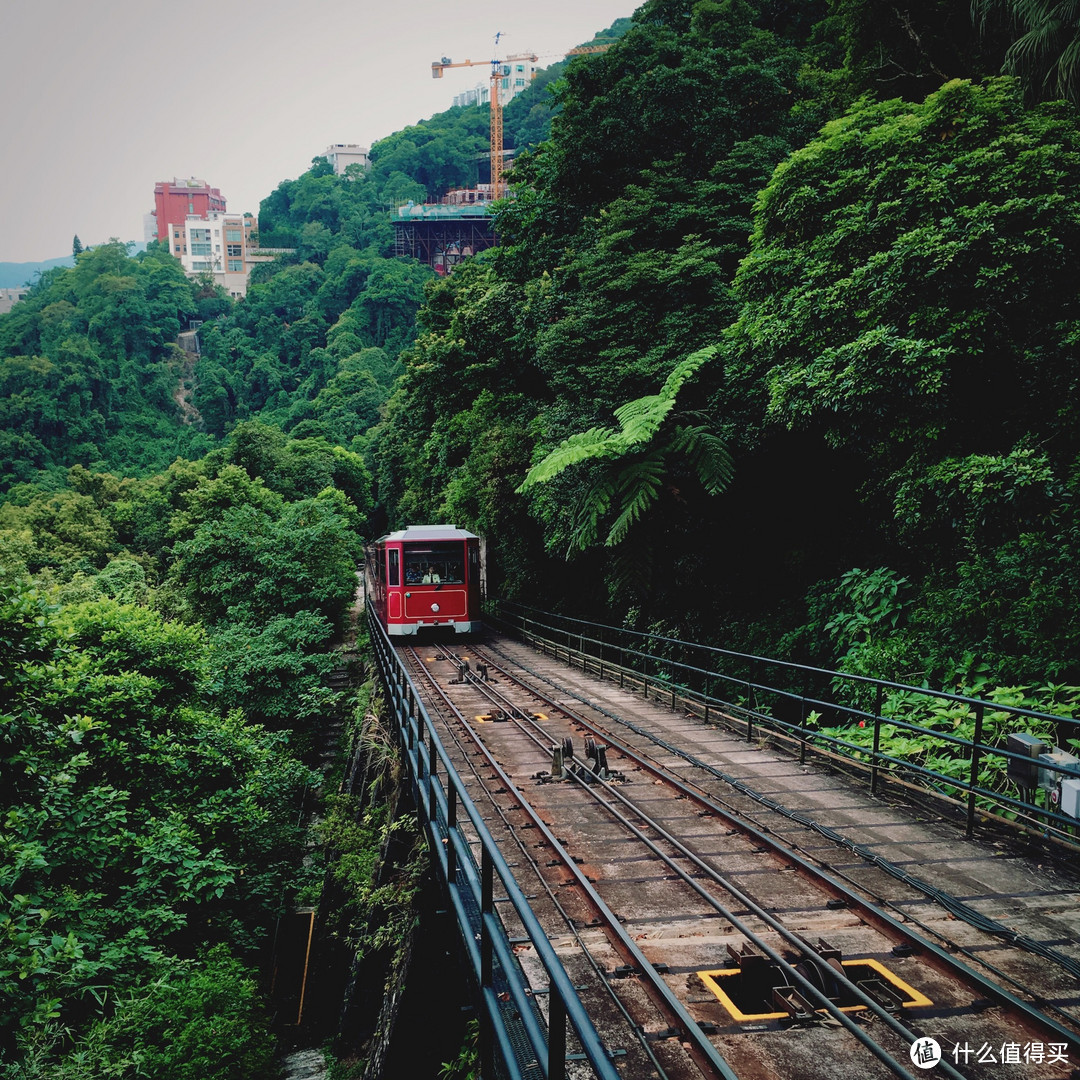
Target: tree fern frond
[
  {"x": 639, "y": 420},
  {"x": 685, "y": 368},
  {"x": 639, "y": 486},
  {"x": 707, "y": 454},
  {"x": 595, "y": 443},
  {"x": 1068, "y": 70},
  {"x": 596, "y": 503}
]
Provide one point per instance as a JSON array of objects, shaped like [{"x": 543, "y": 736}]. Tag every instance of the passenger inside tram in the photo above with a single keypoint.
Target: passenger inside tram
[{"x": 434, "y": 567}]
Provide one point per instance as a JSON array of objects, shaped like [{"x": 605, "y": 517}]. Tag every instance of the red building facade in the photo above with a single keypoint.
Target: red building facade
[{"x": 175, "y": 200}]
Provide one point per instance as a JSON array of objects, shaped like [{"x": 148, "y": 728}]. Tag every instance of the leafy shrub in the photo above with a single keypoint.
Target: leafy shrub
[{"x": 187, "y": 1020}]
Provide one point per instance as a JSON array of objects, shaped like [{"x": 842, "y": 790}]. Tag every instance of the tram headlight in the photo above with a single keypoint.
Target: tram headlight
[{"x": 435, "y": 608}]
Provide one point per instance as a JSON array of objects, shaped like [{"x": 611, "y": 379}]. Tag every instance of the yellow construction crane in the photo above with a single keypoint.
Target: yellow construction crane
[{"x": 497, "y": 75}]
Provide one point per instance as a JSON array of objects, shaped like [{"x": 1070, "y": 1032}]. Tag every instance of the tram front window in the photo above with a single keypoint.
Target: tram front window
[{"x": 435, "y": 564}]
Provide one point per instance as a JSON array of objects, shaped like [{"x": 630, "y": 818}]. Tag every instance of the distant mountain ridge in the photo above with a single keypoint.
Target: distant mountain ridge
[{"x": 13, "y": 274}]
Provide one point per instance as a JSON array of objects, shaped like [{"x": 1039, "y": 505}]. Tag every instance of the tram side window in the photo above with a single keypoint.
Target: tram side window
[{"x": 395, "y": 572}]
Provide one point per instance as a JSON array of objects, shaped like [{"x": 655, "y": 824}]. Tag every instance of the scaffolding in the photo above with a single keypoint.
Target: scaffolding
[{"x": 441, "y": 236}]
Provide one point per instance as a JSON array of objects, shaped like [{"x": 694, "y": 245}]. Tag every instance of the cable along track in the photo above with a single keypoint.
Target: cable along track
[{"x": 734, "y": 949}]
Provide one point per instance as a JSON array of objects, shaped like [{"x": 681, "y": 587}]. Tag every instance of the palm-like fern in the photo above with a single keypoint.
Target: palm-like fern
[
  {"x": 639, "y": 458},
  {"x": 1046, "y": 54}
]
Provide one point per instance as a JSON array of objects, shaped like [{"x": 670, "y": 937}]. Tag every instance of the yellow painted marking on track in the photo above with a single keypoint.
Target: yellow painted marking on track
[
  {"x": 712, "y": 979},
  {"x": 485, "y": 719},
  {"x": 539, "y": 716}
]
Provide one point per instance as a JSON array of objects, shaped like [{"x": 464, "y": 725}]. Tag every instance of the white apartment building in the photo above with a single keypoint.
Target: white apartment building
[
  {"x": 517, "y": 72},
  {"x": 217, "y": 244},
  {"x": 342, "y": 155}
]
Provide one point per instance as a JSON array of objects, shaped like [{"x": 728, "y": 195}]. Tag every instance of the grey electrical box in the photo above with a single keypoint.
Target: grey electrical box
[
  {"x": 1024, "y": 773},
  {"x": 1066, "y": 763},
  {"x": 1070, "y": 797}
]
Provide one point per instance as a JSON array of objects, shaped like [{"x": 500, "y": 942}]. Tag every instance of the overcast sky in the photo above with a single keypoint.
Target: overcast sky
[{"x": 100, "y": 100}]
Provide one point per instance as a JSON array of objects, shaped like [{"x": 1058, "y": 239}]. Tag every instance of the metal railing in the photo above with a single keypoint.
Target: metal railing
[
  {"x": 788, "y": 702},
  {"x": 511, "y": 1027}
]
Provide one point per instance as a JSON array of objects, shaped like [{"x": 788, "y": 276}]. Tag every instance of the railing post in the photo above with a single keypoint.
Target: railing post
[
  {"x": 451, "y": 828},
  {"x": 877, "y": 740},
  {"x": 487, "y": 907},
  {"x": 433, "y": 766},
  {"x": 750, "y": 708},
  {"x": 556, "y": 1037},
  {"x": 802, "y": 727},
  {"x": 487, "y": 1047},
  {"x": 973, "y": 776},
  {"x": 487, "y": 961}
]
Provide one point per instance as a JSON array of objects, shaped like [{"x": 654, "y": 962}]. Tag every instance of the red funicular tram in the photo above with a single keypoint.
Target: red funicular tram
[{"x": 425, "y": 577}]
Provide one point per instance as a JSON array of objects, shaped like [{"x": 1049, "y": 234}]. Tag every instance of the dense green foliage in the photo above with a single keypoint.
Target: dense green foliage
[
  {"x": 153, "y": 710},
  {"x": 139, "y": 822},
  {"x": 159, "y": 1028},
  {"x": 894, "y": 346},
  {"x": 88, "y": 367}
]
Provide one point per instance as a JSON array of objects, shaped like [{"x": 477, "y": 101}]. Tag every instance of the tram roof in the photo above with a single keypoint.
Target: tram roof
[{"x": 429, "y": 532}]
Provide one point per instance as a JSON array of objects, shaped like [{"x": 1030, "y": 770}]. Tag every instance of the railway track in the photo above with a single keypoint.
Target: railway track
[{"x": 704, "y": 939}]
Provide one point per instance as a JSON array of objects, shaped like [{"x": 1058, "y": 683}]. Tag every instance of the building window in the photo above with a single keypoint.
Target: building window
[
  {"x": 235, "y": 250},
  {"x": 202, "y": 265},
  {"x": 233, "y": 236},
  {"x": 236, "y": 266},
  {"x": 199, "y": 234},
  {"x": 200, "y": 249}
]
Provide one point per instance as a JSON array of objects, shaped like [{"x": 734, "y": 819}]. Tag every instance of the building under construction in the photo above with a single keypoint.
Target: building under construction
[{"x": 442, "y": 234}]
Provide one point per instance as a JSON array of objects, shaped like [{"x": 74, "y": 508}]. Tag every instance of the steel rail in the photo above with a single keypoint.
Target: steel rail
[
  {"x": 635, "y": 1028},
  {"x": 690, "y": 1026},
  {"x": 1031, "y": 1014},
  {"x": 791, "y": 972},
  {"x": 1054, "y": 823},
  {"x": 951, "y": 903},
  {"x": 433, "y": 799}
]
